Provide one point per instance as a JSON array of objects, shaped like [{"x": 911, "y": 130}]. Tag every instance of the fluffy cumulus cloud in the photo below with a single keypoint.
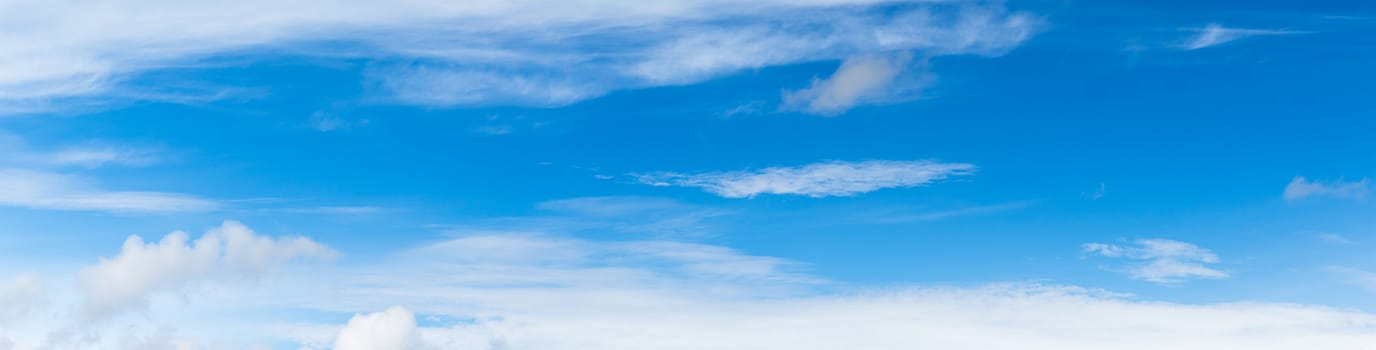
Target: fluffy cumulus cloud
[
  {"x": 834, "y": 178},
  {"x": 1301, "y": 188},
  {"x": 440, "y": 53},
  {"x": 391, "y": 329},
  {"x": 1215, "y": 34},
  {"x": 1162, "y": 260},
  {"x": 564, "y": 293},
  {"x": 140, "y": 269},
  {"x": 46, "y": 190}
]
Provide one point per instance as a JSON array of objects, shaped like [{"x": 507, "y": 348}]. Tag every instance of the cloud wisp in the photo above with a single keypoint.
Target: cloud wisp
[
  {"x": 444, "y": 53},
  {"x": 825, "y": 179},
  {"x": 1215, "y": 34},
  {"x": 1301, "y": 188},
  {"x": 1162, "y": 261},
  {"x": 50, "y": 191}
]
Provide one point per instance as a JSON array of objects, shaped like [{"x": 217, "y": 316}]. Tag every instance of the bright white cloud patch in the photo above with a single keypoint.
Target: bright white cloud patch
[
  {"x": 824, "y": 179},
  {"x": 392, "y": 329},
  {"x": 229, "y": 251},
  {"x": 43, "y": 190},
  {"x": 1215, "y": 34},
  {"x": 1301, "y": 188},
  {"x": 440, "y": 53},
  {"x": 858, "y": 80},
  {"x": 1163, "y": 260}
]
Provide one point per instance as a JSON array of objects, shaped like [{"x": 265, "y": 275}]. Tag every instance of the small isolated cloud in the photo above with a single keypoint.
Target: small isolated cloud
[
  {"x": 825, "y": 179},
  {"x": 1162, "y": 260},
  {"x": 43, "y": 190},
  {"x": 1098, "y": 193},
  {"x": 326, "y": 122},
  {"x": 1215, "y": 34},
  {"x": 859, "y": 80},
  {"x": 391, "y": 329},
  {"x": 229, "y": 251},
  {"x": 1333, "y": 238},
  {"x": 1300, "y": 188}
]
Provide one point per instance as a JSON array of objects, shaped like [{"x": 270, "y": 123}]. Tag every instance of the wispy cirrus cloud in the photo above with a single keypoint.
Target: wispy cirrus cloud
[
  {"x": 1215, "y": 34},
  {"x": 825, "y": 179},
  {"x": 1162, "y": 260},
  {"x": 444, "y": 53},
  {"x": 52, "y": 191},
  {"x": 1301, "y": 188}
]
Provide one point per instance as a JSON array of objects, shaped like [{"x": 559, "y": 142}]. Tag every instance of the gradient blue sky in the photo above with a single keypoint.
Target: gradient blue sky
[{"x": 536, "y": 175}]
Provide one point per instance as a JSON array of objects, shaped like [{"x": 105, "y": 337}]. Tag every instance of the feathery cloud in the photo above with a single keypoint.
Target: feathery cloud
[
  {"x": 444, "y": 53},
  {"x": 825, "y": 179},
  {"x": 1301, "y": 188},
  {"x": 1215, "y": 34},
  {"x": 1164, "y": 261},
  {"x": 43, "y": 190}
]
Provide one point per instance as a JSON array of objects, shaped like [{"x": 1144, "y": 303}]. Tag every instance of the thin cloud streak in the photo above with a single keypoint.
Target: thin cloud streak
[{"x": 825, "y": 179}]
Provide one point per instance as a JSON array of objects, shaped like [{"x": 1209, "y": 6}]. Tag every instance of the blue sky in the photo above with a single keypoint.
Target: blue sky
[{"x": 686, "y": 174}]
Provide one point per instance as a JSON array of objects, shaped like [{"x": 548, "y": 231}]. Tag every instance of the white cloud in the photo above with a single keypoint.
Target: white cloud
[
  {"x": 835, "y": 178},
  {"x": 859, "y": 80},
  {"x": 1300, "y": 188},
  {"x": 1215, "y": 34},
  {"x": 440, "y": 53},
  {"x": 392, "y": 329},
  {"x": 1164, "y": 261},
  {"x": 43, "y": 190},
  {"x": 141, "y": 269}
]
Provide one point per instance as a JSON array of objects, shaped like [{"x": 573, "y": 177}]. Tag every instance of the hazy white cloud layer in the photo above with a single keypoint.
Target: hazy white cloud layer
[
  {"x": 1162, "y": 260},
  {"x": 441, "y": 53},
  {"x": 1215, "y": 34},
  {"x": 531, "y": 290},
  {"x": 524, "y": 291},
  {"x": 19, "y": 296},
  {"x": 1301, "y": 188},
  {"x": 835, "y": 178}
]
